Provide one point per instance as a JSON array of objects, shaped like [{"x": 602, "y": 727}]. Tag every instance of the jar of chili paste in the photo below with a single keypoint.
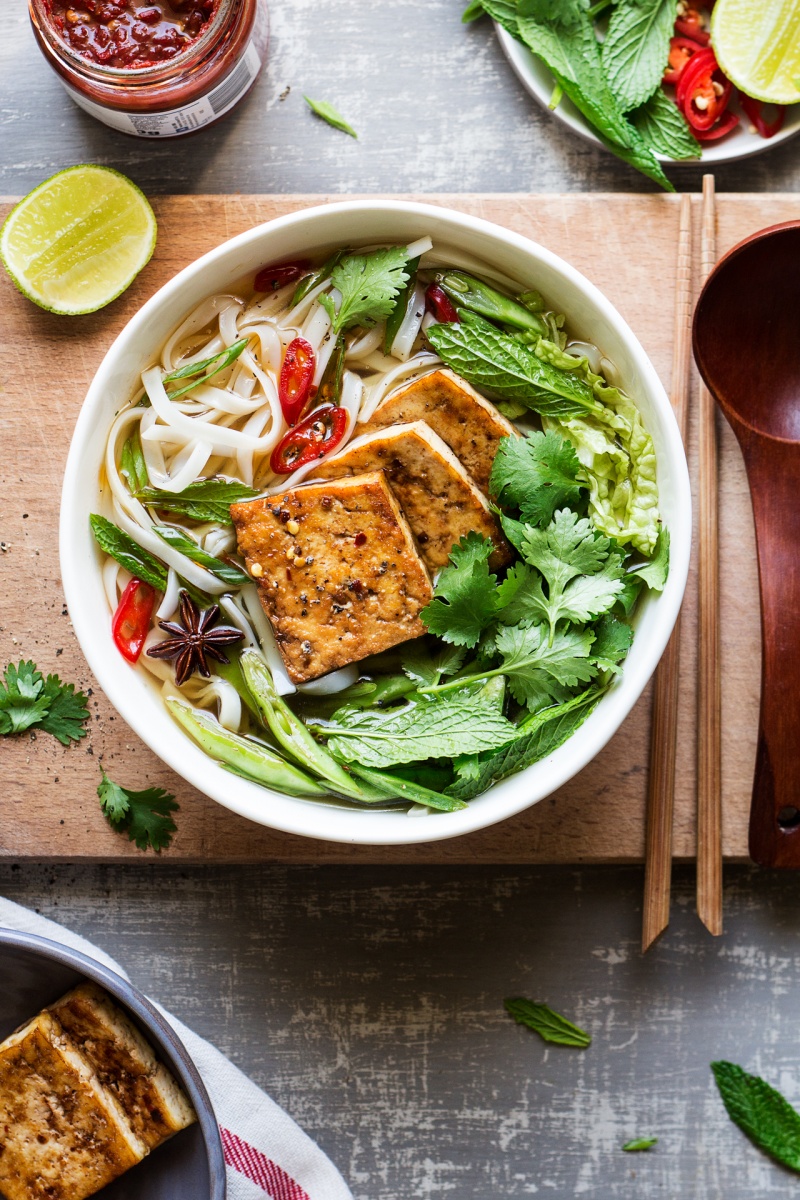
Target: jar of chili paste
[{"x": 153, "y": 69}]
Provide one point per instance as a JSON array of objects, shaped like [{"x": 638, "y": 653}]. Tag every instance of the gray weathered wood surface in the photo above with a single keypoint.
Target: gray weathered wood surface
[{"x": 368, "y": 1000}]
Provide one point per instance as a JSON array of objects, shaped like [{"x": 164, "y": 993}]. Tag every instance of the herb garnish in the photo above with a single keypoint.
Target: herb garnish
[
  {"x": 550, "y": 1025},
  {"x": 646, "y": 1143},
  {"x": 369, "y": 285},
  {"x": 761, "y": 1113},
  {"x": 128, "y": 553},
  {"x": 204, "y": 500},
  {"x": 536, "y": 474},
  {"x": 328, "y": 113},
  {"x": 29, "y": 701},
  {"x": 144, "y": 816}
]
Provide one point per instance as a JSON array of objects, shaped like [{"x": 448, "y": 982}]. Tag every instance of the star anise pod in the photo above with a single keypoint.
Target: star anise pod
[{"x": 195, "y": 639}]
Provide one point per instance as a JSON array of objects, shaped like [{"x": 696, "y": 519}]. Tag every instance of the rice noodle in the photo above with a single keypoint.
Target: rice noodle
[
  {"x": 171, "y": 597},
  {"x": 412, "y": 323},
  {"x": 418, "y": 365},
  {"x": 419, "y": 247}
]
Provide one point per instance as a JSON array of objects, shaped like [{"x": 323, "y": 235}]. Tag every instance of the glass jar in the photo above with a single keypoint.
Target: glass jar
[{"x": 193, "y": 87}]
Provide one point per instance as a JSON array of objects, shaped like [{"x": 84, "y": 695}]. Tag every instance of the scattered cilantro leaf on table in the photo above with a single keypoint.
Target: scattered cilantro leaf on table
[
  {"x": 550, "y": 1025},
  {"x": 465, "y": 599},
  {"x": 29, "y": 701},
  {"x": 636, "y": 49},
  {"x": 640, "y": 1144},
  {"x": 144, "y": 816},
  {"x": 536, "y": 474},
  {"x": 322, "y": 108},
  {"x": 761, "y": 1112},
  {"x": 369, "y": 285}
]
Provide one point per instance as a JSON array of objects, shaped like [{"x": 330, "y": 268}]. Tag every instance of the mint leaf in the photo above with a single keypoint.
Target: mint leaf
[
  {"x": 464, "y": 599},
  {"x": 67, "y": 711},
  {"x": 654, "y": 572},
  {"x": 225, "y": 571},
  {"x": 504, "y": 12},
  {"x": 328, "y": 113},
  {"x": 369, "y": 285},
  {"x": 128, "y": 553},
  {"x": 396, "y": 787},
  {"x": 550, "y": 1025},
  {"x": 641, "y": 1144},
  {"x": 441, "y": 728},
  {"x": 761, "y": 1113},
  {"x": 636, "y": 49},
  {"x": 536, "y": 474},
  {"x": 537, "y": 737},
  {"x": 504, "y": 368},
  {"x": 144, "y": 816},
  {"x": 205, "y": 500},
  {"x": 541, "y": 671},
  {"x": 133, "y": 468},
  {"x": 663, "y": 127}
]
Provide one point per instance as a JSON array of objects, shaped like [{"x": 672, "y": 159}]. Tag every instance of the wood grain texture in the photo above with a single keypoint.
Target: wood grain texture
[
  {"x": 48, "y": 806},
  {"x": 666, "y": 684},
  {"x": 709, "y": 726}
]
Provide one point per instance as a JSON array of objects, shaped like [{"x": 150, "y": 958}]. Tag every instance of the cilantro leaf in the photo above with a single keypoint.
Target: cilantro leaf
[
  {"x": 144, "y": 816},
  {"x": 426, "y": 670},
  {"x": 67, "y": 711},
  {"x": 613, "y": 639},
  {"x": 25, "y": 681},
  {"x": 541, "y": 671},
  {"x": 322, "y": 108},
  {"x": 538, "y": 736},
  {"x": 369, "y": 284},
  {"x": 18, "y": 713},
  {"x": 550, "y": 1025},
  {"x": 465, "y": 600},
  {"x": 761, "y": 1113},
  {"x": 654, "y": 572},
  {"x": 453, "y": 725},
  {"x": 636, "y": 48},
  {"x": 536, "y": 474}
]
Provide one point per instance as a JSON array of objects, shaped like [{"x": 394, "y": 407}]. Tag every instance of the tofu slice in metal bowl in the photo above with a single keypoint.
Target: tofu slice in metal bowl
[
  {"x": 35, "y": 972},
  {"x": 306, "y": 234}
]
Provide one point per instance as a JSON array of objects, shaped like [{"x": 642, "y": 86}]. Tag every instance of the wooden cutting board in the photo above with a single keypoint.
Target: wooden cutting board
[{"x": 48, "y": 804}]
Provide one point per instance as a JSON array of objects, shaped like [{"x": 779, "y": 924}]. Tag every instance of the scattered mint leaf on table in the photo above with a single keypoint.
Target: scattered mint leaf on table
[
  {"x": 369, "y": 285},
  {"x": 663, "y": 127},
  {"x": 636, "y": 49},
  {"x": 536, "y": 474},
  {"x": 640, "y": 1144},
  {"x": 465, "y": 599},
  {"x": 29, "y": 701},
  {"x": 550, "y": 1026},
  {"x": 144, "y": 816},
  {"x": 761, "y": 1113},
  {"x": 328, "y": 113}
]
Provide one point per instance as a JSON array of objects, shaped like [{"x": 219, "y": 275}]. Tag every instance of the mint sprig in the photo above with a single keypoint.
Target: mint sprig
[
  {"x": 761, "y": 1112},
  {"x": 550, "y": 1025}
]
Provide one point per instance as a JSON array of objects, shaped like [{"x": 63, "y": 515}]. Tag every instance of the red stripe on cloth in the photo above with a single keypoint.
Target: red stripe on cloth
[{"x": 259, "y": 1169}]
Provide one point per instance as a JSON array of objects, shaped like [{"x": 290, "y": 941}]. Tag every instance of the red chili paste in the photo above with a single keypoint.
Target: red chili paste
[{"x": 131, "y": 33}]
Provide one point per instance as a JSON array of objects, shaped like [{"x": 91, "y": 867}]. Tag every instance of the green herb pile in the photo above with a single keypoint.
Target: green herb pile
[{"x": 616, "y": 83}]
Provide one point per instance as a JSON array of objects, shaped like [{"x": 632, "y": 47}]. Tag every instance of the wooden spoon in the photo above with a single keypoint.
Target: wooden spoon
[{"x": 747, "y": 346}]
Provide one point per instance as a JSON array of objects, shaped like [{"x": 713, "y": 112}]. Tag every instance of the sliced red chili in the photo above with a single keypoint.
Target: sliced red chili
[
  {"x": 273, "y": 278},
  {"x": 691, "y": 25},
  {"x": 681, "y": 51},
  {"x": 754, "y": 111},
  {"x": 316, "y": 436},
  {"x": 725, "y": 124},
  {"x": 440, "y": 304},
  {"x": 131, "y": 621},
  {"x": 703, "y": 91},
  {"x": 296, "y": 378}
]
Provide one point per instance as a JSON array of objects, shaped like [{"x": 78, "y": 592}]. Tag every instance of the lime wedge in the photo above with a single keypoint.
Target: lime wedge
[
  {"x": 78, "y": 239},
  {"x": 758, "y": 47}
]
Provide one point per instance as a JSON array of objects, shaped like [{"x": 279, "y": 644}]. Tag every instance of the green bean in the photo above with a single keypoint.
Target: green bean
[
  {"x": 330, "y": 385},
  {"x": 290, "y": 732},
  {"x": 394, "y": 787},
  {"x": 310, "y": 281},
  {"x": 244, "y": 756},
  {"x": 468, "y": 292},
  {"x": 368, "y": 693}
]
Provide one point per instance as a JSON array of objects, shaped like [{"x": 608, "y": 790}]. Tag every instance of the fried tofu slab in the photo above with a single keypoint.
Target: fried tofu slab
[
  {"x": 338, "y": 573},
  {"x": 63, "y": 1136},
  {"x": 125, "y": 1064},
  {"x": 470, "y": 425},
  {"x": 440, "y": 501}
]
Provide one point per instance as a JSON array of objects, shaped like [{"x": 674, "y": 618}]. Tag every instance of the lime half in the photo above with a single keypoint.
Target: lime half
[
  {"x": 78, "y": 239},
  {"x": 757, "y": 44}
]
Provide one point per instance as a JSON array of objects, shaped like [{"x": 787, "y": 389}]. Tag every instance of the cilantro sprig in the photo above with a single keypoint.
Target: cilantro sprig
[
  {"x": 369, "y": 285},
  {"x": 29, "y": 701},
  {"x": 145, "y": 816}
]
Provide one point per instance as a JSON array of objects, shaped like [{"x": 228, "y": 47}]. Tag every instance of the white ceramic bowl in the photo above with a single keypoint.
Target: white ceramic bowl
[{"x": 306, "y": 233}]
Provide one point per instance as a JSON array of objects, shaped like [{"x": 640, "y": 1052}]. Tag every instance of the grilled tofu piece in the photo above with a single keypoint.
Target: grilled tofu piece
[
  {"x": 471, "y": 425},
  {"x": 440, "y": 501},
  {"x": 125, "y": 1063},
  {"x": 62, "y": 1135},
  {"x": 339, "y": 575}
]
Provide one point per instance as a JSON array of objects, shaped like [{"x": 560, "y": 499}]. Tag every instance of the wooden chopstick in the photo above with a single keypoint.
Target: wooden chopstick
[
  {"x": 664, "y": 727},
  {"x": 709, "y": 732}
]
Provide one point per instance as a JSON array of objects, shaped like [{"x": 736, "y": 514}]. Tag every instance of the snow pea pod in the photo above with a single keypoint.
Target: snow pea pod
[{"x": 468, "y": 292}]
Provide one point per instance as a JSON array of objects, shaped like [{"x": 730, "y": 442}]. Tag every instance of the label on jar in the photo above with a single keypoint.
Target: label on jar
[{"x": 177, "y": 121}]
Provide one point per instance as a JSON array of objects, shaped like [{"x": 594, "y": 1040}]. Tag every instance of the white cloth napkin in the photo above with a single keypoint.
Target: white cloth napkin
[{"x": 266, "y": 1153}]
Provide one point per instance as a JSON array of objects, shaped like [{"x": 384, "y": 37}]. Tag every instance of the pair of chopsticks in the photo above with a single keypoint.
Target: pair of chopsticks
[{"x": 664, "y": 732}]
